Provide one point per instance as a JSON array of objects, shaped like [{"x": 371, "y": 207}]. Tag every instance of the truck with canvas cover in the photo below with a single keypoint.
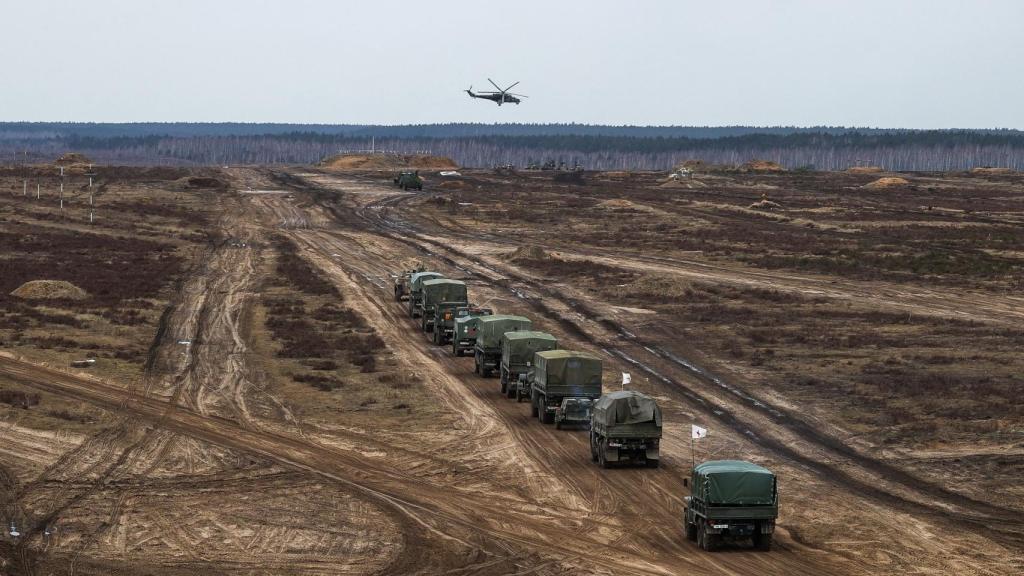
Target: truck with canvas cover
[
  {"x": 416, "y": 289},
  {"x": 517, "y": 350},
  {"x": 465, "y": 328},
  {"x": 731, "y": 499},
  {"x": 490, "y": 329},
  {"x": 408, "y": 180},
  {"x": 434, "y": 293},
  {"x": 560, "y": 374},
  {"x": 625, "y": 426}
]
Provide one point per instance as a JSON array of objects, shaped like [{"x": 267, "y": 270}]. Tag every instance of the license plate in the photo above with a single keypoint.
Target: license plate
[{"x": 720, "y": 526}]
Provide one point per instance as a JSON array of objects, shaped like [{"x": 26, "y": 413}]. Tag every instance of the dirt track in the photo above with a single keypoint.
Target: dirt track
[{"x": 498, "y": 493}]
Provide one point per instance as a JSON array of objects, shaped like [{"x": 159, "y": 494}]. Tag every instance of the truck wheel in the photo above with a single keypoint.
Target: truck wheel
[
  {"x": 476, "y": 365},
  {"x": 601, "y": 459},
  {"x": 533, "y": 407},
  {"x": 519, "y": 395},
  {"x": 652, "y": 463},
  {"x": 511, "y": 390},
  {"x": 593, "y": 452},
  {"x": 504, "y": 382},
  {"x": 547, "y": 417},
  {"x": 763, "y": 542},
  {"x": 691, "y": 530},
  {"x": 702, "y": 537},
  {"x": 558, "y": 425}
]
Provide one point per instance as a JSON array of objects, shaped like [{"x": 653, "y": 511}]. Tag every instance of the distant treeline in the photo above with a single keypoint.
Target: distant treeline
[{"x": 479, "y": 145}]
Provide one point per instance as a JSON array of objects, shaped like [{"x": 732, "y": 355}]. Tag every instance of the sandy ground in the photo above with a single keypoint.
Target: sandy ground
[{"x": 207, "y": 465}]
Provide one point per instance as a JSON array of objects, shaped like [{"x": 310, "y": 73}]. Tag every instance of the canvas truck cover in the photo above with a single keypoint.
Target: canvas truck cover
[
  {"x": 491, "y": 328},
  {"x": 443, "y": 290},
  {"x": 416, "y": 280},
  {"x": 519, "y": 347},
  {"x": 555, "y": 368},
  {"x": 627, "y": 407},
  {"x": 734, "y": 483}
]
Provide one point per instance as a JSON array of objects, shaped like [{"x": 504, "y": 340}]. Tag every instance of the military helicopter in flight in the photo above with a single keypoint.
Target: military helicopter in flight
[{"x": 500, "y": 97}]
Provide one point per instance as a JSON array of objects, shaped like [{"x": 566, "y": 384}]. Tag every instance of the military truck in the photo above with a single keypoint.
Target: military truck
[
  {"x": 445, "y": 316},
  {"x": 625, "y": 426},
  {"x": 416, "y": 289},
  {"x": 402, "y": 283},
  {"x": 517, "y": 350},
  {"x": 731, "y": 500},
  {"x": 407, "y": 180},
  {"x": 560, "y": 374},
  {"x": 434, "y": 293},
  {"x": 464, "y": 328},
  {"x": 490, "y": 329}
]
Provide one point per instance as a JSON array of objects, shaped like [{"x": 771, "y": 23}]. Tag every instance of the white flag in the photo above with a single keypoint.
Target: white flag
[
  {"x": 626, "y": 378},
  {"x": 697, "y": 431}
]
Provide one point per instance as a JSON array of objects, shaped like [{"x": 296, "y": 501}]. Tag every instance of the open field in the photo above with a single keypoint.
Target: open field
[{"x": 260, "y": 404}]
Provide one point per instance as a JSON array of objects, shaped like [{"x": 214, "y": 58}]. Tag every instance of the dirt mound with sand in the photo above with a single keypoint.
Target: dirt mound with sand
[
  {"x": 451, "y": 185},
  {"x": 990, "y": 170},
  {"x": 50, "y": 290},
  {"x": 762, "y": 166},
  {"x": 864, "y": 169},
  {"x": 529, "y": 254},
  {"x": 72, "y": 158},
  {"x": 388, "y": 162},
  {"x": 201, "y": 183},
  {"x": 888, "y": 182}
]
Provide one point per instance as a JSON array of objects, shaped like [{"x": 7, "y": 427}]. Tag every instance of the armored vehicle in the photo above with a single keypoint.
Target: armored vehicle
[
  {"x": 490, "y": 329},
  {"x": 560, "y": 374},
  {"x": 731, "y": 499},
  {"x": 407, "y": 180},
  {"x": 465, "y": 328},
  {"x": 574, "y": 412},
  {"x": 416, "y": 289},
  {"x": 402, "y": 284},
  {"x": 436, "y": 292},
  {"x": 445, "y": 315},
  {"x": 517, "y": 350},
  {"x": 625, "y": 426}
]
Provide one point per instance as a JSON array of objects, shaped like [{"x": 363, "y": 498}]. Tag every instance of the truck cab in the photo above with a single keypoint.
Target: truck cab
[
  {"x": 465, "y": 327},
  {"x": 731, "y": 500}
]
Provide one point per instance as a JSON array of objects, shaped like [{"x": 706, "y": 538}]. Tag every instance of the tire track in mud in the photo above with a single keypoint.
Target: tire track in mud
[{"x": 985, "y": 519}]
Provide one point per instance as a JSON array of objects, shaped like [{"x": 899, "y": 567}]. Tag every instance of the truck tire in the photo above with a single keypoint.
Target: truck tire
[
  {"x": 652, "y": 463},
  {"x": 701, "y": 537},
  {"x": 533, "y": 406},
  {"x": 545, "y": 416},
  {"x": 601, "y": 459},
  {"x": 763, "y": 542},
  {"x": 504, "y": 381},
  {"x": 593, "y": 451},
  {"x": 691, "y": 530},
  {"x": 558, "y": 425},
  {"x": 476, "y": 364}
]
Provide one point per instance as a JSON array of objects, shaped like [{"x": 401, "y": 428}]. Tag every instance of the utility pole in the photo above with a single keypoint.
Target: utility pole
[{"x": 24, "y": 188}]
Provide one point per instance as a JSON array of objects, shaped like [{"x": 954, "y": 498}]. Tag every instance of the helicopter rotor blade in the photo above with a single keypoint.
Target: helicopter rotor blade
[
  {"x": 518, "y": 95},
  {"x": 510, "y": 87},
  {"x": 495, "y": 85}
]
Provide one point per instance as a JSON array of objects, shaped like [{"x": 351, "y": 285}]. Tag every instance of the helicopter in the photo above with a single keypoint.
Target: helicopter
[{"x": 500, "y": 97}]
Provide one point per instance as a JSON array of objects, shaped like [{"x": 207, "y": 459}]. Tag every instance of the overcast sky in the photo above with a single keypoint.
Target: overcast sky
[{"x": 893, "y": 63}]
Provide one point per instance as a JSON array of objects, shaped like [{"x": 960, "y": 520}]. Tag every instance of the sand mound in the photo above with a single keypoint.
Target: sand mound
[
  {"x": 765, "y": 205},
  {"x": 50, "y": 290},
  {"x": 72, "y": 158},
  {"x": 451, "y": 185},
  {"x": 527, "y": 253},
  {"x": 388, "y": 162},
  {"x": 762, "y": 166},
  {"x": 990, "y": 170},
  {"x": 864, "y": 169},
  {"x": 889, "y": 182}
]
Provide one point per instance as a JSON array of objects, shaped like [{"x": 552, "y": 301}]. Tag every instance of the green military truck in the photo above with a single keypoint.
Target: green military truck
[
  {"x": 487, "y": 350},
  {"x": 517, "y": 350},
  {"x": 416, "y": 289},
  {"x": 465, "y": 328},
  {"x": 731, "y": 499},
  {"x": 560, "y": 374},
  {"x": 407, "y": 180},
  {"x": 445, "y": 316},
  {"x": 434, "y": 293},
  {"x": 625, "y": 426}
]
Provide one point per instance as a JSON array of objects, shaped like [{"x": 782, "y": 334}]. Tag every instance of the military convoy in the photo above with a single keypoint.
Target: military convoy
[{"x": 730, "y": 500}]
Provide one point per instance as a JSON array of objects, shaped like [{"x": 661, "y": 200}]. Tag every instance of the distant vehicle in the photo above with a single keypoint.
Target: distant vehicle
[
  {"x": 500, "y": 97},
  {"x": 625, "y": 426},
  {"x": 416, "y": 290},
  {"x": 560, "y": 374},
  {"x": 731, "y": 499},
  {"x": 465, "y": 327},
  {"x": 517, "y": 350},
  {"x": 402, "y": 283},
  {"x": 573, "y": 412},
  {"x": 490, "y": 329},
  {"x": 407, "y": 180},
  {"x": 433, "y": 293}
]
